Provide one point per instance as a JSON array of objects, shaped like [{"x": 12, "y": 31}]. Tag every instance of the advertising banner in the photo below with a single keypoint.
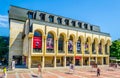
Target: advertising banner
[
  {"x": 86, "y": 47},
  {"x": 100, "y": 48},
  {"x": 37, "y": 42},
  {"x": 50, "y": 43},
  {"x": 70, "y": 45},
  {"x": 78, "y": 57},
  {"x": 78, "y": 46}
]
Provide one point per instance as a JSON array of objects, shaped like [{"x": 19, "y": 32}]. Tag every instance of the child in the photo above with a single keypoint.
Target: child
[{"x": 98, "y": 71}]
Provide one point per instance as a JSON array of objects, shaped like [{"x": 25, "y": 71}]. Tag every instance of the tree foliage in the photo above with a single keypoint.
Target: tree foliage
[
  {"x": 115, "y": 49},
  {"x": 4, "y": 43}
]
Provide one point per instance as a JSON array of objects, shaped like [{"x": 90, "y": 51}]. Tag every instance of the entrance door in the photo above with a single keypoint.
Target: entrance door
[{"x": 18, "y": 59}]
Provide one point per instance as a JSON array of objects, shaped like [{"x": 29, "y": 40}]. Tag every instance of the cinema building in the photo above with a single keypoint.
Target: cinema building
[{"x": 37, "y": 37}]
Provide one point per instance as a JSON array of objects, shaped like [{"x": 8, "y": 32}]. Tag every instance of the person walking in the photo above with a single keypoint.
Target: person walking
[
  {"x": 98, "y": 71},
  {"x": 13, "y": 65},
  {"x": 4, "y": 72},
  {"x": 39, "y": 71},
  {"x": 71, "y": 68}
]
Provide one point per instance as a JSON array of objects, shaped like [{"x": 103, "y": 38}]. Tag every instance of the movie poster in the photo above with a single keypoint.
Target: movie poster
[
  {"x": 70, "y": 45},
  {"x": 86, "y": 47},
  {"x": 100, "y": 48},
  {"x": 50, "y": 43},
  {"x": 78, "y": 46},
  {"x": 37, "y": 42}
]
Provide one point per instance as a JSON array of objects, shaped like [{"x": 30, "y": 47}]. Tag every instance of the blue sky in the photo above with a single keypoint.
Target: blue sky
[{"x": 104, "y": 13}]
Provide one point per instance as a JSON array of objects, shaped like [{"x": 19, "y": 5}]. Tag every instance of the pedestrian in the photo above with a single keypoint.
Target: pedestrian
[
  {"x": 39, "y": 71},
  {"x": 71, "y": 68},
  {"x": 13, "y": 65},
  {"x": 116, "y": 65},
  {"x": 4, "y": 72},
  {"x": 98, "y": 71}
]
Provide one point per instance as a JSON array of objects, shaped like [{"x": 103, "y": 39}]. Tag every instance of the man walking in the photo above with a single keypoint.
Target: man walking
[
  {"x": 98, "y": 71},
  {"x": 39, "y": 71}
]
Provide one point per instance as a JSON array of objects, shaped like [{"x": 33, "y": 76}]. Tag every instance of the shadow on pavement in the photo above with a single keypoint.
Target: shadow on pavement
[{"x": 34, "y": 76}]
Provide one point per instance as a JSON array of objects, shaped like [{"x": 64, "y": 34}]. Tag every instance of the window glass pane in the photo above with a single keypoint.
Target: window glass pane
[
  {"x": 78, "y": 46},
  {"x": 100, "y": 47},
  {"x": 51, "y": 19},
  {"x": 59, "y": 20},
  {"x": 73, "y": 23},
  {"x": 66, "y": 22},
  {"x": 80, "y": 24},
  {"x": 106, "y": 48},
  {"x": 37, "y": 33},
  {"x": 42, "y": 16},
  {"x": 30, "y": 15},
  {"x": 61, "y": 43},
  {"x": 93, "y": 46}
]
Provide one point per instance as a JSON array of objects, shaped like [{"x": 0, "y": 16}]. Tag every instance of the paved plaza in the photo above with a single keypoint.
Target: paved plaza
[{"x": 83, "y": 72}]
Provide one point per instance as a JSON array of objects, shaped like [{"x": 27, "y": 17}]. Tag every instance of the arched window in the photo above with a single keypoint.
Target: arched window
[
  {"x": 93, "y": 48},
  {"x": 87, "y": 46},
  {"x": 37, "y": 42},
  {"x": 70, "y": 45},
  {"x": 106, "y": 45},
  {"x": 50, "y": 42},
  {"x": 79, "y": 45},
  {"x": 100, "y": 47},
  {"x": 61, "y": 43}
]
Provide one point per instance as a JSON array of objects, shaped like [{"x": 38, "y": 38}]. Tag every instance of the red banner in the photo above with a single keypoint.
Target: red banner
[
  {"x": 78, "y": 57},
  {"x": 37, "y": 42}
]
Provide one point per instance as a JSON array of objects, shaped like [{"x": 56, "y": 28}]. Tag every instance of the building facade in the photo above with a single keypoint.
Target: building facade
[{"x": 38, "y": 37}]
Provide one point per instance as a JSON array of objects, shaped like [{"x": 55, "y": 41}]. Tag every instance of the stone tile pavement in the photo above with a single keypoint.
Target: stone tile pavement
[{"x": 79, "y": 72}]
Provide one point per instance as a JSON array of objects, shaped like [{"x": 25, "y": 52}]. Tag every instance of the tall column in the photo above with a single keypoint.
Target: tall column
[
  {"x": 64, "y": 61},
  {"x": 96, "y": 60},
  {"x": 108, "y": 60},
  {"x": 97, "y": 49},
  {"x": 90, "y": 49},
  {"x": 74, "y": 60},
  {"x": 83, "y": 48},
  {"x": 29, "y": 62},
  {"x": 89, "y": 61},
  {"x": 102, "y": 60},
  {"x": 29, "y": 52},
  {"x": 44, "y": 45},
  {"x": 82, "y": 61},
  {"x": 54, "y": 61},
  {"x": 43, "y": 62},
  {"x": 102, "y": 48},
  {"x": 74, "y": 47},
  {"x": 64, "y": 47},
  {"x": 56, "y": 46},
  {"x": 67, "y": 46}
]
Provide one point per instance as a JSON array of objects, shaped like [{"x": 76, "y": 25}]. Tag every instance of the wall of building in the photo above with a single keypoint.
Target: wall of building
[{"x": 16, "y": 42}]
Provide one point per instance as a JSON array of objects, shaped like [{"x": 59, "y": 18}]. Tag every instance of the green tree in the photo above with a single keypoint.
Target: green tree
[
  {"x": 115, "y": 49},
  {"x": 4, "y": 43}
]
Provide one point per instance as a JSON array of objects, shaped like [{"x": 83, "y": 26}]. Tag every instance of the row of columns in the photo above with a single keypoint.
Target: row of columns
[
  {"x": 30, "y": 48},
  {"x": 64, "y": 62}
]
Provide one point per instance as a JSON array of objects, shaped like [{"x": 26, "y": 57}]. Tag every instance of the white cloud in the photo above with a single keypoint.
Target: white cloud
[{"x": 3, "y": 21}]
